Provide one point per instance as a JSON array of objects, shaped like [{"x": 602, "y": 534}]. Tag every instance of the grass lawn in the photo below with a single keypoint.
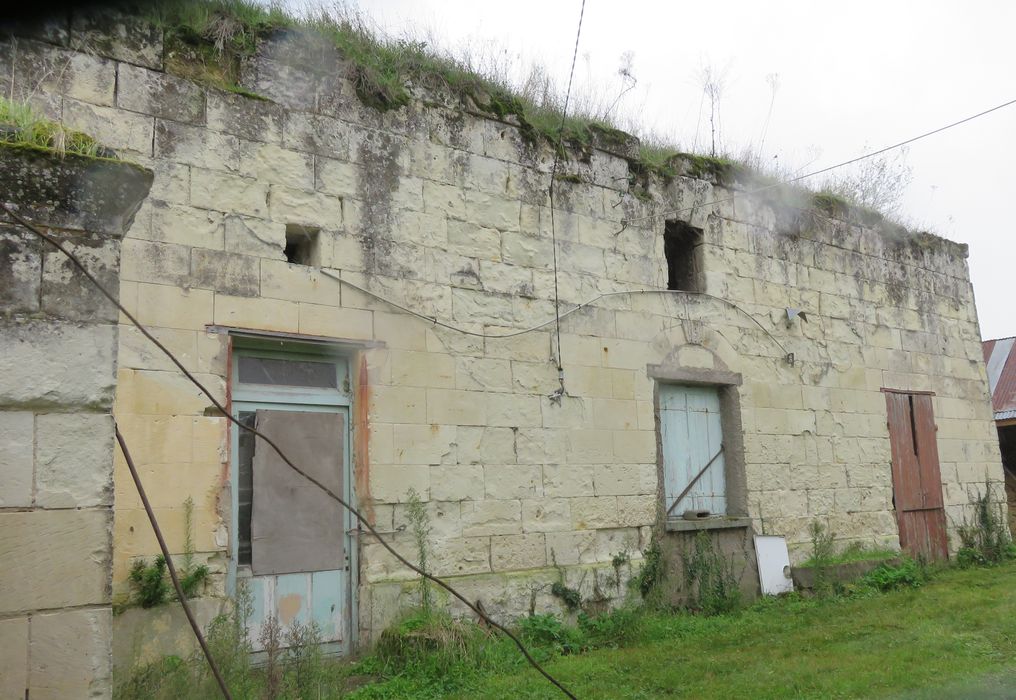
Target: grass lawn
[{"x": 954, "y": 637}]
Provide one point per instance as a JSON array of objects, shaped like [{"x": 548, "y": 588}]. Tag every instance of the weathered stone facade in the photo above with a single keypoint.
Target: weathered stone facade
[
  {"x": 446, "y": 212},
  {"x": 58, "y": 346}
]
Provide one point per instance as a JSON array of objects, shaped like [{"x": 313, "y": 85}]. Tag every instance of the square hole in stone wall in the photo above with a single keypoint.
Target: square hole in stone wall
[
  {"x": 683, "y": 247},
  {"x": 303, "y": 245}
]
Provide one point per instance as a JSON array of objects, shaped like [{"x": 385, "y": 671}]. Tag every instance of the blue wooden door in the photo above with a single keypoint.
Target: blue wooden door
[{"x": 691, "y": 435}]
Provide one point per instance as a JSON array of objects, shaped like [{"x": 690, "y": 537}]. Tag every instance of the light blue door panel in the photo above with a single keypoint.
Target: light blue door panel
[{"x": 691, "y": 435}]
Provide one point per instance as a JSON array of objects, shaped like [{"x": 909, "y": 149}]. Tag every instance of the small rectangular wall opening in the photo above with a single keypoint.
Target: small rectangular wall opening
[
  {"x": 303, "y": 245},
  {"x": 682, "y": 245}
]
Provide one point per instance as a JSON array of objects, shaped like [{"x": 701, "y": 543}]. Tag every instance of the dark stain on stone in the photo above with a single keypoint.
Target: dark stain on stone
[{"x": 378, "y": 156}]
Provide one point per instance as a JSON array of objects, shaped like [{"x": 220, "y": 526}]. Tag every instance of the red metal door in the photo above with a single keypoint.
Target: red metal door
[{"x": 917, "y": 481}]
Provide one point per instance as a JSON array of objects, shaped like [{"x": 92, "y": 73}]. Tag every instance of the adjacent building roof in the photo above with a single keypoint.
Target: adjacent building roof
[{"x": 1000, "y": 357}]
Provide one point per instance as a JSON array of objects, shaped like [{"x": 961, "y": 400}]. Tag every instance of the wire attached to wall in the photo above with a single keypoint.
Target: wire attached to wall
[
  {"x": 476, "y": 609},
  {"x": 560, "y": 392}
]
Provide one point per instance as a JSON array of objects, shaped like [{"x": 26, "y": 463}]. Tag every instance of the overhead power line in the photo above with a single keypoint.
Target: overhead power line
[
  {"x": 76, "y": 262},
  {"x": 741, "y": 195}
]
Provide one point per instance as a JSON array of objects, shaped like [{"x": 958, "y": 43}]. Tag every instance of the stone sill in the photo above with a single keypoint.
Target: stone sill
[{"x": 717, "y": 523}]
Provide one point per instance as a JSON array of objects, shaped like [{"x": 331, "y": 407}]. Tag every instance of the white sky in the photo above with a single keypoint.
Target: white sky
[{"x": 851, "y": 76}]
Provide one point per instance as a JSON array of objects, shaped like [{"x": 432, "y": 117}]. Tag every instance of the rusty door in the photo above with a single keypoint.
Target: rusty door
[{"x": 917, "y": 481}]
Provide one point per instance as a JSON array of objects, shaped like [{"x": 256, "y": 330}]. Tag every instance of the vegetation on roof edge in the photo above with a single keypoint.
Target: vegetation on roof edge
[
  {"x": 20, "y": 125},
  {"x": 209, "y": 40}
]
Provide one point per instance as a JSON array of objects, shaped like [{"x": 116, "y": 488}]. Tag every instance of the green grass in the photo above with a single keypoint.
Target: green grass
[
  {"x": 20, "y": 125},
  {"x": 854, "y": 554},
  {"x": 958, "y": 631}
]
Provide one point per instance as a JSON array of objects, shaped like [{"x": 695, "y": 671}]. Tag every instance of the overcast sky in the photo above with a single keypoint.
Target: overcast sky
[{"x": 850, "y": 77}]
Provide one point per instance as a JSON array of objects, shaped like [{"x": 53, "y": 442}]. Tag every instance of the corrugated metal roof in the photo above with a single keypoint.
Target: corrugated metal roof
[{"x": 1000, "y": 358}]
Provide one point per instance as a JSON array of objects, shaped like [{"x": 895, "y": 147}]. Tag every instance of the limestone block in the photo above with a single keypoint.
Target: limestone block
[
  {"x": 69, "y": 654},
  {"x": 20, "y": 272},
  {"x": 503, "y": 517},
  {"x": 398, "y": 404},
  {"x": 57, "y": 364},
  {"x": 492, "y": 211},
  {"x": 14, "y": 657},
  {"x": 482, "y": 374},
  {"x": 391, "y": 483},
  {"x": 546, "y": 515},
  {"x": 66, "y": 293},
  {"x": 17, "y": 434},
  {"x": 458, "y": 482},
  {"x": 513, "y": 410},
  {"x": 569, "y": 412},
  {"x": 456, "y": 407},
  {"x": 424, "y": 444},
  {"x": 158, "y": 393},
  {"x": 474, "y": 306},
  {"x": 45, "y": 69},
  {"x": 273, "y": 164},
  {"x": 64, "y": 553},
  {"x": 254, "y": 120},
  {"x": 637, "y": 511},
  {"x": 540, "y": 446},
  {"x": 426, "y": 369},
  {"x": 479, "y": 445},
  {"x": 443, "y": 519},
  {"x": 74, "y": 460},
  {"x": 513, "y": 481},
  {"x": 148, "y": 261},
  {"x": 251, "y": 236},
  {"x": 336, "y": 177},
  {"x": 526, "y": 250},
  {"x": 444, "y": 199},
  {"x": 624, "y": 479},
  {"x": 197, "y": 146},
  {"x": 250, "y": 312},
  {"x": 461, "y": 556},
  {"x": 474, "y": 241},
  {"x": 143, "y": 636},
  {"x": 534, "y": 378},
  {"x": 572, "y": 547},
  {"x": 332, "y": 322},
  {"x": 517, "y": 552},
  {"x": 590, "y": 447},
  {"x": 318, "y": 134},
  {"x": 560, "y": 480},
  {"x": 282, "y": 280},
  {"x": 614, "y": 414},
  {"x": 225, "y": 273},
  {"x": 196, "y": 228},
  {"x": 159, "y": 94},
  {"x": 294, "y": 206},
  {"x": 114, "y": 128},
  {"x": 228, "y": 193}
]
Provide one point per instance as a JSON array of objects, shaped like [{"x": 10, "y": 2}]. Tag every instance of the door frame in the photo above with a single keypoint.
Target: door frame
[{"x": 249, "y": 397}]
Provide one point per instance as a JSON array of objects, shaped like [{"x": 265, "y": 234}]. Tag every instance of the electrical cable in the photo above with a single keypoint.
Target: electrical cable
[
  {"x": 169, "y": 565},
  {"x": 626, "y": 222},
  {"x": 550, "y": 194},
  {"x": 626, "y": 292},
  {"x": 226, "y": 414}
]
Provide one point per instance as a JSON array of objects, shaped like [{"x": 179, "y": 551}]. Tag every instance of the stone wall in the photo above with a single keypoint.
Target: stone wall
[
  {"x": 58, "y": 346},
  {"x": 446, "y": 212}
]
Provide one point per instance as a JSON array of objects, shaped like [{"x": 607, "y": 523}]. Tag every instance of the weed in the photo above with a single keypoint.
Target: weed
[
  {"x": 548, "y": 632},
  {"x": 652, "y": 573},
  {"x": 571, "y": 598},
  {"x": 191, "y": 577},
  {"x": 822, "y": 554},
  {"x": 619, "y": 627},
  {"x": 985, "y": 539},
  {"x": 419, "y": 523},
  {"x": 709, "y": 576},
  {"x": 886, "y": 577},
  {"x": 149, "y": 582}
]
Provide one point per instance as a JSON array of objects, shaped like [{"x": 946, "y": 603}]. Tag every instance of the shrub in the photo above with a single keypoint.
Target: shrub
[
  {"x": 709, "y": 576},
  {"x": 652, "y": 573},
  {"x": 148, "y": 582},
  {"x": 886, "y": 577},
  {"x": 618, "y": 627},
  {"x": 985, "y": 539},
  {"x": 549, "y": 632}
]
